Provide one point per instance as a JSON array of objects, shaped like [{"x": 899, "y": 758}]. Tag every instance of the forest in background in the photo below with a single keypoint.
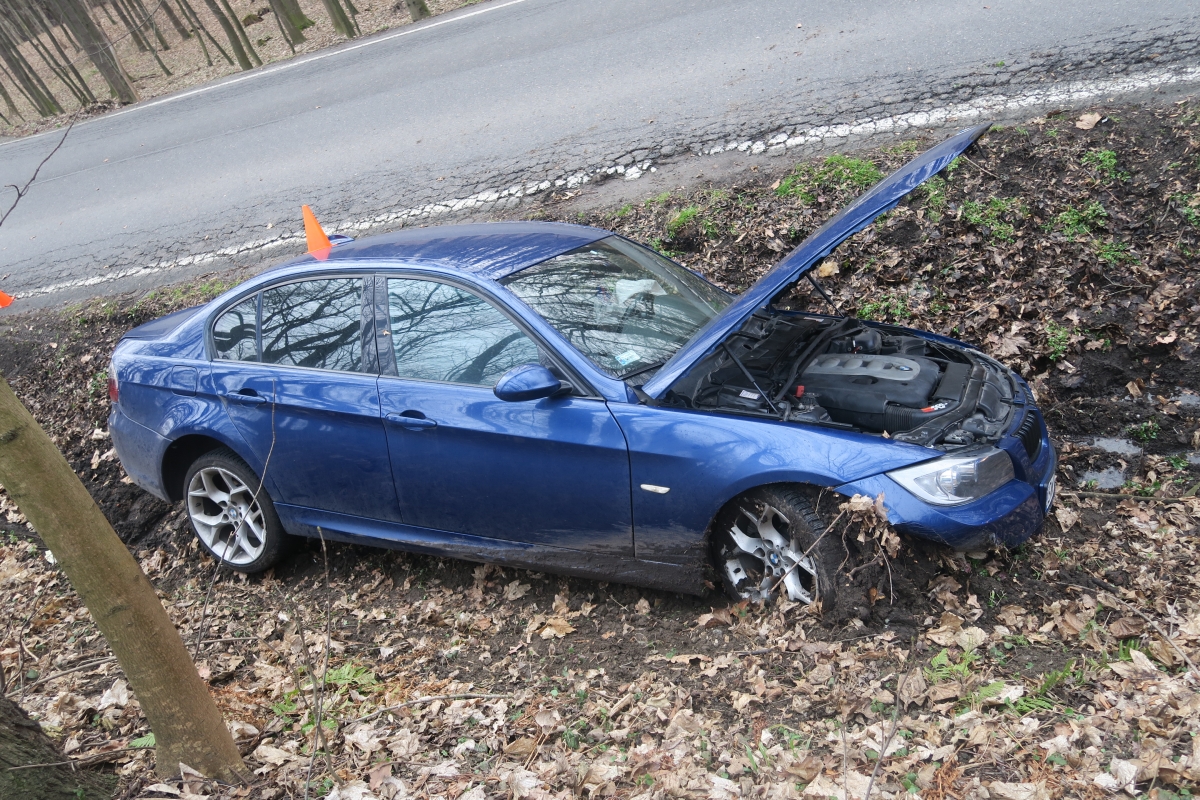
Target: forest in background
[{"x": 60, "y": 59}]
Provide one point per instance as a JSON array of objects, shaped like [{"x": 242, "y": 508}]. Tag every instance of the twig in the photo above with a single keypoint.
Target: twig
[
  {"x": 23, "y": 190},
  {"x": 895, "y": 724},
  {"x": 319, "y": 685},
  {"x": 981, "y": 169},
  {"x": 237, "y": 531},
  {"x": 93, "y": 662},
  {"x": 421, "y": 701},
  {"x": 1118, "y": 496},
  {"x": 94, "y": 758},
  {"x": 1108, "y": 596}
]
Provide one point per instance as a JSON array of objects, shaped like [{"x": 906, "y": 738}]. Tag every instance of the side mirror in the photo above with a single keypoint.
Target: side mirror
[{"x": 527, "y": 382}]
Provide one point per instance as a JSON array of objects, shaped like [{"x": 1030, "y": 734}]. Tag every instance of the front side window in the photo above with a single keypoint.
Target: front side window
[
  {"x": 443, "y": 333},
  {"x": 235, "y": 334},
  {"x": 624, "y": 307},
  {"x": 314, "y": 324}
]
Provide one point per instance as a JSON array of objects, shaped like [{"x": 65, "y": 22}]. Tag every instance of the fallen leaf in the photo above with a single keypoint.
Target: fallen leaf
[{"x": 1087, "y": 121}]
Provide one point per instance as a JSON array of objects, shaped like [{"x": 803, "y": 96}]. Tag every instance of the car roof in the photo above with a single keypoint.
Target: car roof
[{"x": 488, "y": 249}]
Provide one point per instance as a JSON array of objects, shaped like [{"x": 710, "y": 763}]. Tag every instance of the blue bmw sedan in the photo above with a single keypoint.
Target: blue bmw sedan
[{"x": 561, "y": 398}]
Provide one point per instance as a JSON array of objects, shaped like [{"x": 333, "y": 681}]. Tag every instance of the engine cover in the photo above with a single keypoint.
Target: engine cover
[{"x": 857, "y": 389}]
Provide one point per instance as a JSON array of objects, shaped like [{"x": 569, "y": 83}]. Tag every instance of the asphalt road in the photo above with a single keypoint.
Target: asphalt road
[{"x": 515, "y": 95}]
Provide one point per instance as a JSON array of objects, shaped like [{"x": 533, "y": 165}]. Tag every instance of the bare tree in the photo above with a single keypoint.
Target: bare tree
[
  {"x": 186, "y": 723},
  {"x": 99, "y": 49}
]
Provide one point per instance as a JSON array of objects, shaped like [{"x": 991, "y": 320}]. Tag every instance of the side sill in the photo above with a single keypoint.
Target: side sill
[{"x": 303, "y": 521}]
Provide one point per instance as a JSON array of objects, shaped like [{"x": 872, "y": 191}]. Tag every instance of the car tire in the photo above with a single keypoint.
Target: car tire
[
  {"x": 231, "y": 514},
  {"x": 770, "y": 543}
]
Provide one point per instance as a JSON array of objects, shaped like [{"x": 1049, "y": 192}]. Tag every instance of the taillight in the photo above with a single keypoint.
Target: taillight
[{"x": 113, "y": 389}]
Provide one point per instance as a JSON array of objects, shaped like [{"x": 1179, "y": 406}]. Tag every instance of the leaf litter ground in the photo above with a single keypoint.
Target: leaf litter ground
[{"x": 1062, "y": 669}]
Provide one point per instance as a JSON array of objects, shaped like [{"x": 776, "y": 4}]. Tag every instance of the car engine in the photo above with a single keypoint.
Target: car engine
[{"x": 845, "y": 373}]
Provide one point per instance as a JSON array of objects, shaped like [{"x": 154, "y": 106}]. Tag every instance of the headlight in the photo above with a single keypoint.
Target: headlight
[{"x": 953, "y": 480}]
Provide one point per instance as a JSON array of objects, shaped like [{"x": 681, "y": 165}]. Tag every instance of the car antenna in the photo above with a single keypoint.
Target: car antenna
[{"x": 318, "y": 243}]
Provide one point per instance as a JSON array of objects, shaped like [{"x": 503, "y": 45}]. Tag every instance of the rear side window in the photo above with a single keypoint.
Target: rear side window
[
  {"x": 443, "y": 333},
  {"x": 235, "y": 334},
  {"x": 314, "y": 324}
]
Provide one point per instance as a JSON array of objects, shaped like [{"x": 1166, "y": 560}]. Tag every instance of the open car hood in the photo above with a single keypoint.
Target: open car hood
[{"x": 881, "y": 198}]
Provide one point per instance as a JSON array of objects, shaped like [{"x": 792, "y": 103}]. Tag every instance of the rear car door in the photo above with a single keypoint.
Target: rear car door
[
  {"x": 552, "y": 471},
  {"x": 298, "y": 378}
]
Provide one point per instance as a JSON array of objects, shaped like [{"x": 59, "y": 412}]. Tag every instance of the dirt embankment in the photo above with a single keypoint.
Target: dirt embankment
[{"x": 1058, "y": 670}]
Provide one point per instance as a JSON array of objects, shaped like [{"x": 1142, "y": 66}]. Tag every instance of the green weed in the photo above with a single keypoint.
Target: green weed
[
  {"x": 1189, "y": 207},
  {"x": 891, "y": 305},
  {"x": 1081, "y": 222},
  {"x": 1104, "y": 162},
  {"x": 995, "y": 216},
  {"x": 941, "y": 668},
  {"x": 935, "y": 197},
  {"x": 1114, "y": 253},
  {"x": 1178, "y": 463},
  {"x": 1145, "y": 431},
  {"x": 1057, "y": 339}
]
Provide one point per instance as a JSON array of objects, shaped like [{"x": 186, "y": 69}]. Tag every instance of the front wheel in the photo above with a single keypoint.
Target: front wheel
[
  {"x": 771, "y": 542},
  {"x": 232, "y": 515}
]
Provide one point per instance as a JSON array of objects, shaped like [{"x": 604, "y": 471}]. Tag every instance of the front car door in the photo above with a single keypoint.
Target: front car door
[
  {"x": 298, "y": 377},
  {"x": 549, "y": 472}
]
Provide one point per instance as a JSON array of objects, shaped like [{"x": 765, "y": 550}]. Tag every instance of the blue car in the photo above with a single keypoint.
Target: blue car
[{"x": 560, "y": 398}]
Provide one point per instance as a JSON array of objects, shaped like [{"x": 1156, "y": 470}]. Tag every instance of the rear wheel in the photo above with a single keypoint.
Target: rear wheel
[
  {"x": 232, "y": 516},
  {"x": 769, "y": 544}
]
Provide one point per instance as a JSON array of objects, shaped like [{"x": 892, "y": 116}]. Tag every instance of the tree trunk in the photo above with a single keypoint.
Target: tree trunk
[
  {"x": 241, "y": 31},
  {"x": 186, "y": 8},
  {"x": 186, "y": 723},
  {"x": 417, "y": 9},
  {"x": 341, "y": 22},
  {"x": 26, "y": 78},
  {"x": 291, "y": 33},
  {"x": 239, "y": 52},
  {"x": 75, "y": 16},
  {"x": 176, "y": 23},
  {"x": 22, "y": 743},
  {"x": 291, "y": 9}
]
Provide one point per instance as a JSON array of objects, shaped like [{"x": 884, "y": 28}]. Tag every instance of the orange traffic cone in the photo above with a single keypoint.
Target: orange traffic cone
[
  {"x": 318, "y": 242},
  {"x": 5, "y": 300}
]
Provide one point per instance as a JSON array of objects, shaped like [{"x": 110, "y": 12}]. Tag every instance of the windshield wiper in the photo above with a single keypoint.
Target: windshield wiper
[{"x": 637, "y": 372}]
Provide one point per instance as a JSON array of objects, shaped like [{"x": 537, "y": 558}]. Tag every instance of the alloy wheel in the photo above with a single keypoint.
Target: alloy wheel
[
  {"x": 226, "y": 515},
  {"x": 761, "y": 557}
]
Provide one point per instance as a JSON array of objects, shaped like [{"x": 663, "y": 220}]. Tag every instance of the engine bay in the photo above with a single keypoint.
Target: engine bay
[{"x": 844, "y": 373}]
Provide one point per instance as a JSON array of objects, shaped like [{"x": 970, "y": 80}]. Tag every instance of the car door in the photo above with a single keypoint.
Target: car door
[
  {"x": 299, "y": 380},
  {"x": 553, "y": 471}
]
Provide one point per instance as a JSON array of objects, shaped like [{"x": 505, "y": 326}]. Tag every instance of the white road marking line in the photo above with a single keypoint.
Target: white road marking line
[
  {"x": 279, "y": 67},
  {"x": 957, "y": 113}
]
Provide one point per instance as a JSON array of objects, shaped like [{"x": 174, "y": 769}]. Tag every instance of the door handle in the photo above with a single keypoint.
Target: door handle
[
  {"x": 254, "y": 399},
  {"x": 412, "y": 423}
]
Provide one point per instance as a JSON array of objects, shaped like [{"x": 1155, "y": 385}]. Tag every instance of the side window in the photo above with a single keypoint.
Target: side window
[
  {"x": 235, "y": 332},
  {"x": 314, "y": 324},
  {"x": 442, "y": 333}
]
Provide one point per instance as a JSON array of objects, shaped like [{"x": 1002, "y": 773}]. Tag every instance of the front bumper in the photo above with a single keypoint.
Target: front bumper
[{"x": 1007, "y": 516}]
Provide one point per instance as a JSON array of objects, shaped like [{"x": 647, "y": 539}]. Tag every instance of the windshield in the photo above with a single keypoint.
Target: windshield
[{"x": 625, "y": 307}]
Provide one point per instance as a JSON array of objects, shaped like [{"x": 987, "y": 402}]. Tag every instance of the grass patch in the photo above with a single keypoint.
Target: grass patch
[
  {"x": 1189, "y": 207},
  {"x": 1057, "y": 339},
  {"x": 1115, "y": 253},
  {"x": 891, "y": 305},
  {"x": 1104, "y": 162},
  {"x": 995, "y": 216},
  {"x": 1081, "y": 222},
  {"x": 934, "y": 190},
  {"x": 836, "y": 173},
  {"x": 680, "y": 220}
]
